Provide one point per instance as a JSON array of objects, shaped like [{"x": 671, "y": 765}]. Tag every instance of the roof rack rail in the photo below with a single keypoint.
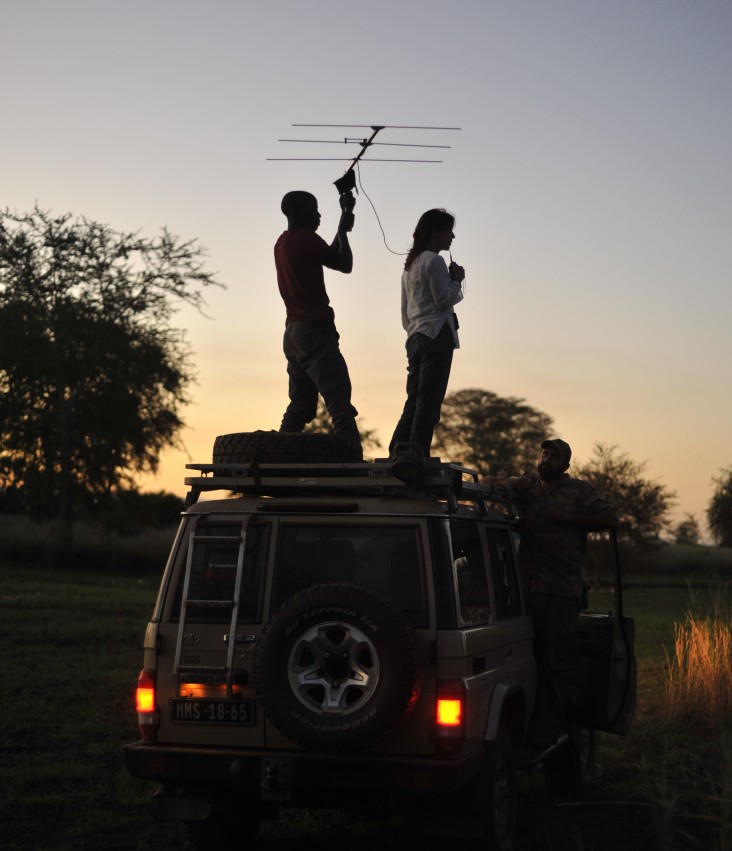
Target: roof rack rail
[{"x": 445, "y": 480}]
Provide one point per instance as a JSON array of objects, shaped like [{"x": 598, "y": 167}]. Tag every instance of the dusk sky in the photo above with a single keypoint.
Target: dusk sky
[{"x": 590, "y": 179}]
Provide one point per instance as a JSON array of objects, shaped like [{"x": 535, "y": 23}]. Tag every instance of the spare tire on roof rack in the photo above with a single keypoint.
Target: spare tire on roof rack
[{"x": 274, "y": 447}]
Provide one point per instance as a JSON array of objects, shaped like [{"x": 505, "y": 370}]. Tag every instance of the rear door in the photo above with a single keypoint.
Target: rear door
[{"x": 388, "y": 556}]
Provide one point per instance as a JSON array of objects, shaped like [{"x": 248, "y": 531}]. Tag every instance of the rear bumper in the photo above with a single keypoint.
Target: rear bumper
[{"x": 300, "y": 777}]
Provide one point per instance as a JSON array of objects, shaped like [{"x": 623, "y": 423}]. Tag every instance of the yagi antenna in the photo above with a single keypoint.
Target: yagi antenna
[
  {"x": 348, "y": 141},
  {"x": 380, "y": 127},
  {"x": 347, "y": 182}
]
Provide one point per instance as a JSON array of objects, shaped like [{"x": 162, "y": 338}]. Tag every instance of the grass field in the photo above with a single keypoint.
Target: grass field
[{"x": 71, "y": 651}]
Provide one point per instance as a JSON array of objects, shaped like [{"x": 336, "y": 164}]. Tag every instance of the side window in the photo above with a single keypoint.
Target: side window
[
  {"x": 213, "y": 566},
  {"x": 471, "y": 572},
  {"x": 505, "y": 575}
]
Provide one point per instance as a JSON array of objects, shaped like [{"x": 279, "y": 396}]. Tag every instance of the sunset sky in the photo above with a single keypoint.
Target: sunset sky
[{"x": 591, "y": 180}]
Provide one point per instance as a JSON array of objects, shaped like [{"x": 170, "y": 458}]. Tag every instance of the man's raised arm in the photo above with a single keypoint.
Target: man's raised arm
[{"x": 339, "y": 255}]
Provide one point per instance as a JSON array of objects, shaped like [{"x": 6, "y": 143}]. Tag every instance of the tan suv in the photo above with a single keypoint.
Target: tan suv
[{"x": 336, "y": 633}]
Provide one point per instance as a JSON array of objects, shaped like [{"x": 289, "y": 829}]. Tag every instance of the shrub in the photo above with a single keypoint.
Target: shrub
[
  {"x": 687, "y": 531},
  {"x": 87, "y": 547}
]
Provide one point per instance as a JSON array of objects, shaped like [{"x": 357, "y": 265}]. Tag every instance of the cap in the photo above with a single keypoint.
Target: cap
[{"x": 558, "y": 445}]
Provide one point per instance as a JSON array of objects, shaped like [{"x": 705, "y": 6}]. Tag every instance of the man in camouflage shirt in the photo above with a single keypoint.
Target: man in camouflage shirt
[{"x": 557, "y": 511}]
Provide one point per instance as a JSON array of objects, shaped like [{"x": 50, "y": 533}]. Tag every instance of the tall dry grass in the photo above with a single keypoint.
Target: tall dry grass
[
  {"x": 690, "y": 788},
  {"x": 699, "y": 674}
]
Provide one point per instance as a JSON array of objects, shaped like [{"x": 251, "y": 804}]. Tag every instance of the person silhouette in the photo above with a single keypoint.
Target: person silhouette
[
  {"x": 429, "y": 292},
  {"x": 315, "y": 364}
]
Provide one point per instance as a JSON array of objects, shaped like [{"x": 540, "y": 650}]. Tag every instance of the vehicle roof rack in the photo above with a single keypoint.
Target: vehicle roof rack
[{"x": 444, "y": 480}]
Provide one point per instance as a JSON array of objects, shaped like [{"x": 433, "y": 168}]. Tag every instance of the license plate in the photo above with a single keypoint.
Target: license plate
[{"x": 206, "y": 711}]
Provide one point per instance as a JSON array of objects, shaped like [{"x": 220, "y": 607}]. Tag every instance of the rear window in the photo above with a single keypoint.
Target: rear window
[{"x": 384, "y": 559}]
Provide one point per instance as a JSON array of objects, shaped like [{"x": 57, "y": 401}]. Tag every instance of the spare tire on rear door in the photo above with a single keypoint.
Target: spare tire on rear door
[
  {"x": 336, "y": 667},
  {"x": 275, "y": 447}
]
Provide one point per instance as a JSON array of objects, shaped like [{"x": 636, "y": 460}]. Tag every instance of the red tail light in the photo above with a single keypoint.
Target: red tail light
[
  {"x": 449, "y": 716},
  {"x": 449, "y": 712},
  {"x": 147, "y": 719}
]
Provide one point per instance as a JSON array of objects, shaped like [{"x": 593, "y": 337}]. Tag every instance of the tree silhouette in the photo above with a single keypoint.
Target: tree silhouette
[
  {"x": 496, "y": 435},
  {"x": 92, "y": 374},
  {"x": 642, "y": 504},
  {"x": 687, "y": 531},
  {"x": 719, "y": 512}
]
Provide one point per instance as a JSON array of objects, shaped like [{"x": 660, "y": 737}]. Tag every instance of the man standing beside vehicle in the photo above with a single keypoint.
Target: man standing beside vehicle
[
  {"x": 315, "y": 364},
  {"x": 557, "y": 511}
]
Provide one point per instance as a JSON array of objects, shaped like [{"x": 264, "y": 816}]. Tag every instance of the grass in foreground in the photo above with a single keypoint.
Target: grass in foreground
[
  {"x": 698, "y": 700},
  {"x": 71, "y": 657},
  {"x": 72, "y": 643}
]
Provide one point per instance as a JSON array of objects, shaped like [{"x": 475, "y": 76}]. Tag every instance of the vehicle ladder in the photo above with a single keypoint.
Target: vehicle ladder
[{"x": 226, "y": 670}]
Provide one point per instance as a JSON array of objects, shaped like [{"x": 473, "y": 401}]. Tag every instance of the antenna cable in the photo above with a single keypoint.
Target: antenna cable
[{"x": 398, "y": 253}]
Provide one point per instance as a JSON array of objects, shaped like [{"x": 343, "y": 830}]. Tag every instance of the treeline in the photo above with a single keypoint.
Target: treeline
[
  {"x": 501, "y": 436},
  {"x": 123, "y": 512}
]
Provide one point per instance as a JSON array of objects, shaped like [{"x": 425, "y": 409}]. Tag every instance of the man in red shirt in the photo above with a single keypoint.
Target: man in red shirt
[{"x": 314, "y": 360}]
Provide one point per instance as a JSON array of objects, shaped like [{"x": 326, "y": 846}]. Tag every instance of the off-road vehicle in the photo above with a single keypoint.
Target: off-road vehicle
[{"x": 353, "y": 635}]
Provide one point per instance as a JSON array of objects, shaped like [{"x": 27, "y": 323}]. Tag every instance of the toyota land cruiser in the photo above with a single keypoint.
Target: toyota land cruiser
[{"x": 334, "y": 632}]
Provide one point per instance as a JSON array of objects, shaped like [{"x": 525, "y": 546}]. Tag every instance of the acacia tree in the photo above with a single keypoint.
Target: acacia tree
[
  {"x": 719, "y": 512},
  {"x": 494, "y": 434},
  {"x": 92, "y": 375},
  {"x": 642, "y": 504}
]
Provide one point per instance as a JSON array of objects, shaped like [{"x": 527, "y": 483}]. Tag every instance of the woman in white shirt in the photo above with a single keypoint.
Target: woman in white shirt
[{"x": 429, "y": 291}]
